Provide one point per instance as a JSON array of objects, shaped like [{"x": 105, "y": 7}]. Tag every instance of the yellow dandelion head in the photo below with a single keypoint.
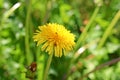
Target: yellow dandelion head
[{"x": 54, "y": 39}]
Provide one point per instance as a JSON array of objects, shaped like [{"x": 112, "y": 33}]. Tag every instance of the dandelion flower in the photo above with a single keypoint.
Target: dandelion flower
[{"x": 54, "y": 38}]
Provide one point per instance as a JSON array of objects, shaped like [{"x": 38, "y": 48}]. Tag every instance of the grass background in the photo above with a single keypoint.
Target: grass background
[{"x": 95, "y": 23}]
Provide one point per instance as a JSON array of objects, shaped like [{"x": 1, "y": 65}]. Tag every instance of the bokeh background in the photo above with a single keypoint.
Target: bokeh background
[{"x": 20, "y": 18}]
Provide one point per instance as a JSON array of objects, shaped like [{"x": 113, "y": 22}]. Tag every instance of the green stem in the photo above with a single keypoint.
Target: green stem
[
  {"x": 83, "y": 35},
  {"x": 109, "y": 29},
  {"x": 27, "y": 31},
  {"x": 47, "y": 67}
]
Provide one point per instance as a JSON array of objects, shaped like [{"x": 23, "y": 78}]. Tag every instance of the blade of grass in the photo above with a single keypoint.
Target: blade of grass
[
  {"x": 27, "y": 46},
  {"x": 109, "y": 29},
  {"x": 82, "y": 38},
  {"x": 100, "y": 67},
  {"x": 40, "y": 63},
  {"x": 11, "y": 10},
  {"x": 84, "y": 34},
  {"x": 8, "y": 13}
]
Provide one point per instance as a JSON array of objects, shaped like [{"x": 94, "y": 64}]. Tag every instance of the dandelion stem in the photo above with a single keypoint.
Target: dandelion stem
[{"x": 47, "y": 67}]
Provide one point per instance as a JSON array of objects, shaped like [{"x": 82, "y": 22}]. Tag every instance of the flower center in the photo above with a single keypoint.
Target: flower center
[{"x": 56, "y": 39}]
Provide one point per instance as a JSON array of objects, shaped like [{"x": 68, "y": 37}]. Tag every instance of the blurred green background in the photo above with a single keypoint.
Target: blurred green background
[{"x": 20, "y": 18}]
